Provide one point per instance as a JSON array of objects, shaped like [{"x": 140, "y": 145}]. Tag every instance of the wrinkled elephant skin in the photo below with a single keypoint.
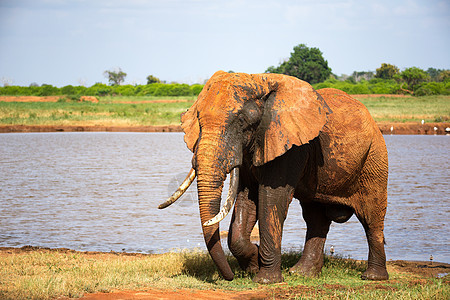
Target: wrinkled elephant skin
[{"x": 287, "y": 140}]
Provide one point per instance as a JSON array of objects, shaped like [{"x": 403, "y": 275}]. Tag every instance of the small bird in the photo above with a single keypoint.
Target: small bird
[
  {"x": 332, "y": 250},
  {"x": 423, "y": 121},
  {"x": 431, "y": 259}
]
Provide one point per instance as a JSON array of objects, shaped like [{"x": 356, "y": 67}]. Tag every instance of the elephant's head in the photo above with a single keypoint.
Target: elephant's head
[{"x": 261, "y": 115}]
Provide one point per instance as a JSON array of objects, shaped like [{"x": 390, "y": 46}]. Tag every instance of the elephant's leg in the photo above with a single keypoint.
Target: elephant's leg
[
  {"x": 318, "y": 225},
  {"x": 272, "y": 211},
  {"x": 242, "y": 222},
  {"x": 373, "y": 223}
]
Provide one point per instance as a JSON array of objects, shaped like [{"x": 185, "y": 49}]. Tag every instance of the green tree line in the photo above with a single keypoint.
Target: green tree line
[
  {"x": 351, "y": 86},
  {"x": 304, "y": 63},
  {"x": 101, "y": 89}
]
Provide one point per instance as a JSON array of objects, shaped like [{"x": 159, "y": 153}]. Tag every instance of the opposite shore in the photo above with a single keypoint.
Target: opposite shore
[{"x": 385, "y": 128}]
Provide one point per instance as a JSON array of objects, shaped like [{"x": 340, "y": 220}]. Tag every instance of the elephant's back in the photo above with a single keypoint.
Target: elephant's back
[
  {"x": 348, "y": 114},
  {"x": 345, "y": 143}
]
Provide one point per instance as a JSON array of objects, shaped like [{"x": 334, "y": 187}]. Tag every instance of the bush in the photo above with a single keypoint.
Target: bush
[
  {"x": 68, "y": 90},
  {"x": 48, "y": 90},
  {"x": 196, "y": 89},
  {"x": 98, "y": 89},
  {"x": 13, "y": 90},
  {"x": 123, "y": 90},
  {"x": 432, "y": 88}
]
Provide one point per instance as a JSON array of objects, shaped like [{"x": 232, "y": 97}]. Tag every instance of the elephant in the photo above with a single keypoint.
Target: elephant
[{"x": 280, "y": 139}]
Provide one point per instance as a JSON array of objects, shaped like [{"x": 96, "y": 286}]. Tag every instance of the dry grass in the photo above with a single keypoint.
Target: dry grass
[{"x": 46, "y": 274}]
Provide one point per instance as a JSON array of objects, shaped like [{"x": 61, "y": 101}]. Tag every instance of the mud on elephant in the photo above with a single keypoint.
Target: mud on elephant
[{"x": 279, "y": 138}]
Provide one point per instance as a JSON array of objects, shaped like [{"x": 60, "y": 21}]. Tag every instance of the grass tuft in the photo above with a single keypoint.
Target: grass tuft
[{"x": 48, "y": 274}]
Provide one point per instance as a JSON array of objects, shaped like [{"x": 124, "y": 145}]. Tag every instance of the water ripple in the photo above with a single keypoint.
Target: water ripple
[{"x": 100, "y": 191}]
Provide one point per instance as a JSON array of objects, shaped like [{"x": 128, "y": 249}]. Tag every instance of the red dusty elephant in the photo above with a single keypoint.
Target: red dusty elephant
[{"x": 279, "y": 138}]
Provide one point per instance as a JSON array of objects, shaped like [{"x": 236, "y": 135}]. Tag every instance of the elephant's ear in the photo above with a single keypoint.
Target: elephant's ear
[
  {"x": 189, "y": 120},
  {"x": 191, "y": 128},
  {"x": 294, "y": 114}
]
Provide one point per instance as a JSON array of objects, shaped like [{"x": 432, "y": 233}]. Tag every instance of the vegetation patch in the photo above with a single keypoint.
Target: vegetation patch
[
  {"x": 37, "y": 273},
  {"x": 151, "y": 111}
]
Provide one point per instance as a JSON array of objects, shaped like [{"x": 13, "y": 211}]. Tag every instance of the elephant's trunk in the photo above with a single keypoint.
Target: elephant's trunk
[
  {"x": 209, "y": 195},
  {"x": 210, "y": 179}
]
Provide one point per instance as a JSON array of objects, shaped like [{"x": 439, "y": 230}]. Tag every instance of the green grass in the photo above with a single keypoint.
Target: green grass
[
  {"x": 118, "y": 99},
  {"x": 104, "y": 113},
  {"x": 111, "y": 111},
  {"x": 409, "y": 109},
  {"x": 47, "y": 274}
]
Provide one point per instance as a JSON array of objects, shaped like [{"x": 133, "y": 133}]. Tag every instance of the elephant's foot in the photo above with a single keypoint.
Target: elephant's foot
[
  {"x": 268, "y": 276},
  {"x": 249, "y": 265},
  {"x": 249, "y": 261},
  {"x": 306, "y": 269},
  {"x": 375, "y": 273}
]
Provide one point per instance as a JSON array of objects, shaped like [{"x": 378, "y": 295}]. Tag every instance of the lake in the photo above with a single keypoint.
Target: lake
[{"x": 100, "y": 192}]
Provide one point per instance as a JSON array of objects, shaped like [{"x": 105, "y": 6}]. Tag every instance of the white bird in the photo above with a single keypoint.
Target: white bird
[{"x": 423, "y": 121}]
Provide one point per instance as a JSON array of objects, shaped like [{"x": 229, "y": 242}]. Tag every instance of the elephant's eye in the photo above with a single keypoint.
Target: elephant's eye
[
  {"x": 242, "y": 120},
  {"x": 249, "y": 115}
]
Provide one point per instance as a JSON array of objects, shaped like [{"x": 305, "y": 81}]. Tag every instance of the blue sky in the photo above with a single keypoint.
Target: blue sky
[{"x": 71, "y": 42}]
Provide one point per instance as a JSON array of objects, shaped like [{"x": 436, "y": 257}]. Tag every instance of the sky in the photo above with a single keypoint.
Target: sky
[{"x": 73, "y": 42}]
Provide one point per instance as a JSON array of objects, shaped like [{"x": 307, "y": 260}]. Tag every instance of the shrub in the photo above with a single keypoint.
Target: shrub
[
  {"x": 196, "y": 89},
  {"x": 48, "y": 90},
  {"x": 123, "y": 90},
  {"x": 68, "y": 90},
  {"x": 98, "y": 89},
  {"x": 432, "y": 88}
]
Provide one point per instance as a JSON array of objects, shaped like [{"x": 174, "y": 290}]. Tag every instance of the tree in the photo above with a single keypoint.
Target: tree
[
  {"x": 386, "y": 71},
  {"x": 306, "y": 64},
  {"x": 152, "y": 79},
  {"x": 444, "y": 75},
  {"x": 115, "y": 77},
  {"x": 7, "y": 81},
  {"x": 413, "y": 76},
  {"x": 358, "y": 76},
  {"x": 434, "y": 73}
]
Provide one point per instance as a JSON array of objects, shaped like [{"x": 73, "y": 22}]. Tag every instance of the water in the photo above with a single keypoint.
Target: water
[{"x": 100, "y": 192}]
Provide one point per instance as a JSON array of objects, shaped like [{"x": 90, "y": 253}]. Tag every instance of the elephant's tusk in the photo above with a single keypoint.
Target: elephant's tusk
[
  {"x": 232, "y": 192},
  {"x": 180, "y": 191}
]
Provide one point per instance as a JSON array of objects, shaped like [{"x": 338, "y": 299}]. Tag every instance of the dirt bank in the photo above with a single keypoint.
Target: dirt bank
[
  {"x": 414, "y": 128},
  {"x": 386, "y": 128},
  {"x": 74, "y": 128}
]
